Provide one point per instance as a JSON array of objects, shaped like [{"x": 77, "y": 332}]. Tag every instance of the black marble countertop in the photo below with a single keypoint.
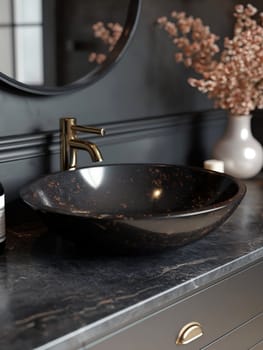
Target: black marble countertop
[{"x": 49, "y": 290}]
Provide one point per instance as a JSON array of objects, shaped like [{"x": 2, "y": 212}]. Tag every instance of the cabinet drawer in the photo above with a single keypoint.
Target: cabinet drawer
[
  {"x": 242, "y": 338},
  {"x": 219, "y": 309},
  {"x": 258, "y": 346}
]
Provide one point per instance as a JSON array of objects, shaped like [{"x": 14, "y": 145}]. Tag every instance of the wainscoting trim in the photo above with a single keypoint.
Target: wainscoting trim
[{"x": 25, "y": 146}]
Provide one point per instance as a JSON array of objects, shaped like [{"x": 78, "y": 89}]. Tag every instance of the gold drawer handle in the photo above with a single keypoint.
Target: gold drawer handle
[{"x": 190, "y": 332}]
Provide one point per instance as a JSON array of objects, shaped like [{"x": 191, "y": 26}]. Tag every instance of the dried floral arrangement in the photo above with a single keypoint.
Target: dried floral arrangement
[
  {"x": 232, "y": 77},
  {"x": 109, "y": 34}
]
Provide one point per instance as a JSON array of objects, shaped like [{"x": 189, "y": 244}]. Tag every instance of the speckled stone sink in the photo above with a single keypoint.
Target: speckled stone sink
[{"x": 134, "y": 206}]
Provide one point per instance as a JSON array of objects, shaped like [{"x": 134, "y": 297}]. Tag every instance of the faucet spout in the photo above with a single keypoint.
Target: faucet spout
[
  {"x": 70, "y": 144},
  {"x": 88, "y": 146}
]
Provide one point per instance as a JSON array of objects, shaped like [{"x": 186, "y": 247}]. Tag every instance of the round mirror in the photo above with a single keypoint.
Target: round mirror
[{"x": 47, "y": 45}]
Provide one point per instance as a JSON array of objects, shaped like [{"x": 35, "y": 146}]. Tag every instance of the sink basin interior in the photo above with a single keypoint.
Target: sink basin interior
[
  {"x": 131, "y": 191},
  {"x": 146, "y": 201}
]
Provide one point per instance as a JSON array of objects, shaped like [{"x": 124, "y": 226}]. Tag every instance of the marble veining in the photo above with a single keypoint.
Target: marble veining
[{"x": 55, "y": 297}]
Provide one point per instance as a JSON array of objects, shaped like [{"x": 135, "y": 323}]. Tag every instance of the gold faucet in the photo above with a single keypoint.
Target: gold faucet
[{"x": 69, "y": 143}]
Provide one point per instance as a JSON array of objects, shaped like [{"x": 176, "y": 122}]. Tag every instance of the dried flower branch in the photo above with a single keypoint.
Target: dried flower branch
[
  {"x": 109, "y": 34},
  {"x": 233, "y": 78}
]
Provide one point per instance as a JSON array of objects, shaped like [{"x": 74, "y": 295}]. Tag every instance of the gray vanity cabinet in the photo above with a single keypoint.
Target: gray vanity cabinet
[
  {"x": 230, "y": 313},
  {"x": 258, "y": 346},
  {"x": 243, "y": 337}
]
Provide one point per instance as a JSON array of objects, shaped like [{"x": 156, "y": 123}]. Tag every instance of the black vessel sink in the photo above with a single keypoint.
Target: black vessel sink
[{"x": 135, "y": 206}]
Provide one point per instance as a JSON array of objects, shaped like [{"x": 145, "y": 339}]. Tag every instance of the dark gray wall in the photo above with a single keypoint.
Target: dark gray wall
[{"x": 145, "y": 103}]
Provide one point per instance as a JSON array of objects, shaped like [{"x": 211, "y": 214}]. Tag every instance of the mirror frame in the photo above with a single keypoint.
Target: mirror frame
[{"x": 115, "y": 55}]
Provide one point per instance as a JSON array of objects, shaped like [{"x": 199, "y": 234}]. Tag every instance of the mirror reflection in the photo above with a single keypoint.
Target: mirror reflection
[{"x": 47, "y": 43}]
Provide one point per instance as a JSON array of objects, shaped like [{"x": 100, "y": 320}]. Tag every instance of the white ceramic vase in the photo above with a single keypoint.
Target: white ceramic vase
[{"x": 241, "y": 152}]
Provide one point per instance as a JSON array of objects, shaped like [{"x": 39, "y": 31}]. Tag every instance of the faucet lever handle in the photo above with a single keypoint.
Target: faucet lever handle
[{"x": 89, "y": 129}]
